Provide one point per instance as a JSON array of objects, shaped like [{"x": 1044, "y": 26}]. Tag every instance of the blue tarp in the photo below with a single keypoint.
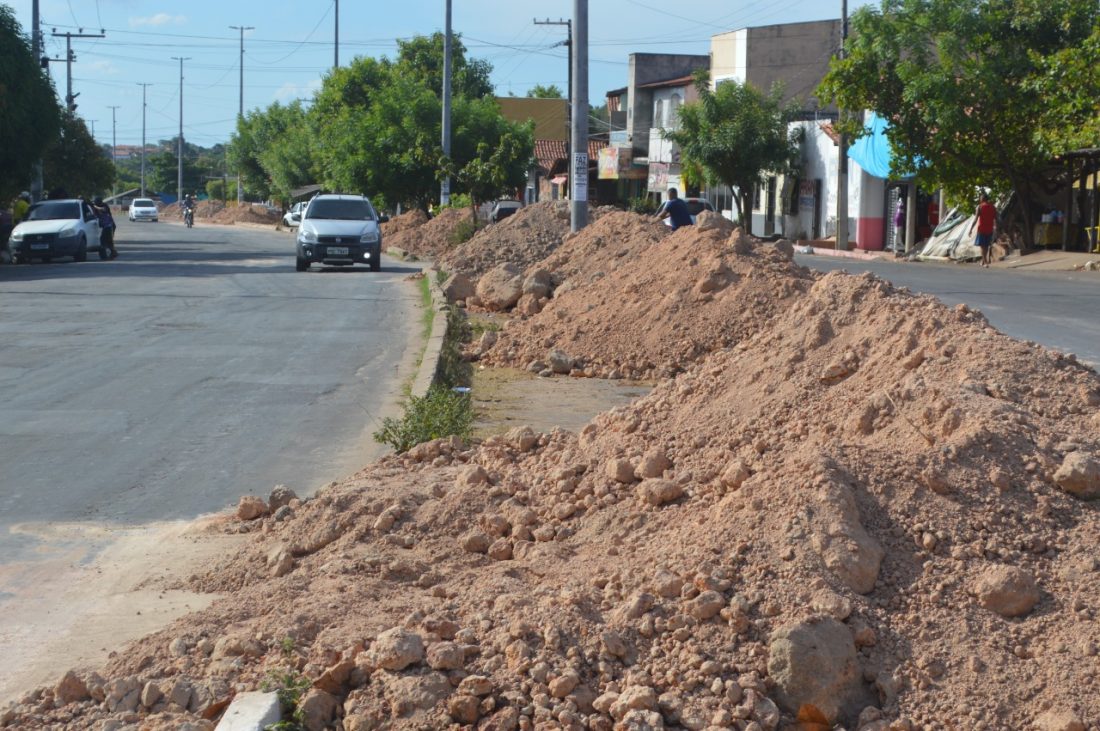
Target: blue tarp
[{"x": 872, "y": 151}]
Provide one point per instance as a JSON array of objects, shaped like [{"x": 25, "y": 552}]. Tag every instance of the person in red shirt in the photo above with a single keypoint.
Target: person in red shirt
[{"x": 986, "y": 220}]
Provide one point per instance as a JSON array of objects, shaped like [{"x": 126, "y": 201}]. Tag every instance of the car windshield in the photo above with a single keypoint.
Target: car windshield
[
  {"x": 54, "y": 211},
  {"x": 696, "y": 207},
  {"x": 341, "y": 209},
  {"x": 144, "y": 203}
]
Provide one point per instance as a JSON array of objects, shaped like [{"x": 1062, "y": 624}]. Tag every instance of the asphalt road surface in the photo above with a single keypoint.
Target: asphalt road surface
[
  {"x": 195, "y": 368},
  {"x": 1057, "y": 309}
]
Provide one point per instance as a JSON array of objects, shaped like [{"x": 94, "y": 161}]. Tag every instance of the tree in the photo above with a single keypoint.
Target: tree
[
  {"x": 422, "y": 57},
  {"x": 162, "y": 173},
  {"x": 273, "y": 149},
  {"x": 30, "y": 118},
  {"x": 736, "y": 134},
  {"x": 73, "y": 162},
  {"x": 538, "y": 91},
  {"x": 500, "y": 168},
  {"x": 977, "y": 93}
]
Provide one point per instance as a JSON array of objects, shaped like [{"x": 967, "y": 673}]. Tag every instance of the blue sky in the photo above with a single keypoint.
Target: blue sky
[{"x": 291, "y": 48}]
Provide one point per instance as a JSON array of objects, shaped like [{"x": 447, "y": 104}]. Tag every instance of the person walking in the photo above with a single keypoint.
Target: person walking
[
  {"x": 107, "y": 248},
  {"x": 986, "y": 221},
  {"x": 899, "y": 226},
  {"x": 675, "y": 210},
  {"x": 20, "y": 207}
]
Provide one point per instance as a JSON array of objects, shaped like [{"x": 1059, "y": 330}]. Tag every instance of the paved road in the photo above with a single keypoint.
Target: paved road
[
  {"x": 197, "y": 367},
  {"x": 1058, "y": 309}
]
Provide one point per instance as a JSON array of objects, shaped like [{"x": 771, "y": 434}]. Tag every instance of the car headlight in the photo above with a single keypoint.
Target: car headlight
[
  {"x": 17, "y": 236},
  {"x": 67, "y": 233},
  {"x": 307, "y": 237},
  {"x": 369, "y": 237}
]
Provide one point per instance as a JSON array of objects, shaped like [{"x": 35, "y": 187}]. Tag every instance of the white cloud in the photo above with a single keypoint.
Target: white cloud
[
  {"x": 158, "y": 19},
  {"x": 290, "y": 91}
]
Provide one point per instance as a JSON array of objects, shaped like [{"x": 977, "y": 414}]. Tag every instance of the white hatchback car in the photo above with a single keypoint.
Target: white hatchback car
[
  {"x": 144, "y": 209},
  {"x": 55, "y": 228}
]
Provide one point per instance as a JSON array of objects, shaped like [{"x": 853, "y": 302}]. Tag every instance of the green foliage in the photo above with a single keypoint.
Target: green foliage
[
  {"x": 421, "y": 58},
  {"x": 162, "y": 172},
  {"x": 441, "y": 413},
  {"x": 290, "y": 687},
  {"x": 274, "y": 150},
  {"x": 30, "y": 118},
  {"x": 75, "y": 163},
  {"x": 499, "y": 166},
  {"x": 215, "y": 189},
  {"x": 642, "y": 205},
  {"x": 977, "y": 93},
  {"x": 736, "y": 134},
  {"x": 463, "y": 231},
  {"x": 538, "y": 91},
  {"x": 459, "y": 200}
]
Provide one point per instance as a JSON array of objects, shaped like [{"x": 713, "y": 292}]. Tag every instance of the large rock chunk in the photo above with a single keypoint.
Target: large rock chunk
[
  {"x": 458, "y": 287},
  {"x": 712, "y": 220},
  {"x": 537, "y": 284},
  {"x": 814, "y": 662},
  {"x": 500, "y": 287},
  {"x": 1079, "y": 475},
  {"x": 1007, "y": 590},
  {"x": 657, "y": 492},
  {"x": 396, "y": 649},
  {"x": 846, "y": 548}
]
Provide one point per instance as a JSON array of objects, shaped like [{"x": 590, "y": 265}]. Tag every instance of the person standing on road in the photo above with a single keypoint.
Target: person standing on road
[
  {"x": 106, "y": 228},
  {"x": 899, "y": 225},
  {"x": 676, "y": 210},
  {"x": 20, "y": 207},
  {"x": 986, "y": 220}
]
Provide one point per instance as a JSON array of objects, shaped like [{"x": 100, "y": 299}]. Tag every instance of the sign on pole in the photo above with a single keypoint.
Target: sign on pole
[{"x": 580, "y": 177}]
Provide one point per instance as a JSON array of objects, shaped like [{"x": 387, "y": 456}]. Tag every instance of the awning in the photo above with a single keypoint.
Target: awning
[
  {"x": 558, "y": 180},
  {"x": 872, "y": 151}
]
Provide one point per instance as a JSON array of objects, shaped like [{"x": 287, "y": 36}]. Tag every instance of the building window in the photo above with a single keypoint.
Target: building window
[
  {"x": 659, "y": 113},
  {"x": 674, "y": 111}
]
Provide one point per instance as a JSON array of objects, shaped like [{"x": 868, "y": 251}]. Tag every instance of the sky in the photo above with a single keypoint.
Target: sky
[{"x": 291, "y": 48}]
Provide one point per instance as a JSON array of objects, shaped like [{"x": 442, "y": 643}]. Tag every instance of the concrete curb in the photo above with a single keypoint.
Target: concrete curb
[
  {"x": 429, "y": 363},
  {"x": 251, "y": 711}
]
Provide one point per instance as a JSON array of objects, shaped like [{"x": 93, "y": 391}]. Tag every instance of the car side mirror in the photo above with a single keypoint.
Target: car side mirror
[{"x": 383, "y": 218}]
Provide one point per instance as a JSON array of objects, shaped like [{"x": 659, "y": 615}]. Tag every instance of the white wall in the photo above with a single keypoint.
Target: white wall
[{"x": 820, "y": 160}]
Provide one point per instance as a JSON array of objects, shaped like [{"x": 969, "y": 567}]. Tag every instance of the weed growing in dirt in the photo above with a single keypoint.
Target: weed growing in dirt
[
  {"x": 642, "y": 205},
  {"x": 289, "y": 686},
  {"x": 463, "y": 231},
  {"x": 453, "y": 369},
  {"x": 441, "y": 413}
]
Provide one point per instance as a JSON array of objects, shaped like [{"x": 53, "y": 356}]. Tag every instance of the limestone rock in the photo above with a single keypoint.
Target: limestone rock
[
  {"x": 713, "y": 221},
  {"x": 846, "y": 548},
  {"x": 458, "y": 287},
  {"x": 658, "y": 492},
  {"x": 620, "y": 470},
  {"x": 123, "y": 695},
  {"x": 1079, "y": 475},
  {"x": 528, "y": 305},
  {"x": 734, "y": 475},
  {"x": 463, "y": 708},
  {"x": 537, "y": 284},
  {"x": 500, "y": 287},
  {"x": 1056, "y": 720},
  {"x": 70, "y": 689},
  {"x": 653, "y": 464},
  {"x": 706, "y": 605},
  {"x": 475, "y": 542},
  {"x": 559, "y": 360},
  {"x": 396, "y": 649},
  {"x": 564, "y": 684},
  {"x": 814, "y": 661},
  {"x": 446, "y": 656},
  {"x": 522, "y": 438},
  {"x": 471, "y": 476},
  {"x": 280, "y": 495},
  {"x": 251, "y": 507},
  {"x": 318, "y": 709},
  {"x": 1006, "y": 590}
]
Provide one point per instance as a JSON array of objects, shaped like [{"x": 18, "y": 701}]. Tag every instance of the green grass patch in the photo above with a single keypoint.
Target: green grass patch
[{"x": 441, "y": 413}]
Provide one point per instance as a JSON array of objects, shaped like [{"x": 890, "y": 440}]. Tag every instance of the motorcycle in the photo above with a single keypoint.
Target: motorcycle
[{"x": 189, "y": 217}]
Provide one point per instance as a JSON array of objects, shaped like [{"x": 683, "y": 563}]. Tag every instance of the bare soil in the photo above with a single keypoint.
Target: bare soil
[{"x": 823, "y": 448}]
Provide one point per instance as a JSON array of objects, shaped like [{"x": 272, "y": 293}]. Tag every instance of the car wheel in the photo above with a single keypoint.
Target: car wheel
[
  {"x": 302, "y": 264},
  {"x": 82, "y": 250}
]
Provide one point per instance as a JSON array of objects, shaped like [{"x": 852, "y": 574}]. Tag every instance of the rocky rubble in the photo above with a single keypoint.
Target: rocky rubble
[
  {"x": 865, "y": 506},
  {"x": 425, "y": 238}
]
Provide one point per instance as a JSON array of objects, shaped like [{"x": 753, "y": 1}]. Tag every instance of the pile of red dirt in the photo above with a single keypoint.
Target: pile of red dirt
[
  {"x": 406, "y": 221},
  {"x": 634, "y": 300},
  {"x": 430, "y": 239},
  {"x": 218, "y": 212},
  {"x": 523, "y": 239},
  {"x": 872, "y": 507}
]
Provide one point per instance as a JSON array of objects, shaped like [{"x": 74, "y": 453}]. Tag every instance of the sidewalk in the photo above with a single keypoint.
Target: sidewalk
[{"x": 1050, "y": 260}]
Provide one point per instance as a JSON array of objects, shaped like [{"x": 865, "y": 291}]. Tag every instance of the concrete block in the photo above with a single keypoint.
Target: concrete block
[{"x": 251, "y": 712}]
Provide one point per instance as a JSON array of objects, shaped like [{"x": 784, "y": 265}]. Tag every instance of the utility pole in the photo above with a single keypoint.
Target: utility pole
[
  {"x": 92, "y": 123},
  {"x": 70, "y": 97},
  {"x": 114, "y": 144},
  {"x": 578, "y": 187},
  {"x": 445, "y": 186},
  {"x": 842, "y": 166},
  {"x": 336, "y": 48},
  {"x": 568, "y": 43},
  {"x": 143, "y": 87},
  {"x": 240, "y": 112},
  {"x": 36, "y": 49},
  {"x": 179, "y": 142}
]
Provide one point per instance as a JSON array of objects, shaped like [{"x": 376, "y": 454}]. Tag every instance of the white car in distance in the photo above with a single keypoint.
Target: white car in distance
[{"x": 144, "y": 209}]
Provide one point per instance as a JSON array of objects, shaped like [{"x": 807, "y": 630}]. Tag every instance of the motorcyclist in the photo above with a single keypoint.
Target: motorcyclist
[
  {"x": 189, "y": 207},
  {"x": 107, "y": 248}
]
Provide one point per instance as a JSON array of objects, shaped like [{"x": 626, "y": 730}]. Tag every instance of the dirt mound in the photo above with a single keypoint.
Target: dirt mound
[
  {"x": 870, "y": 504},
  {"x": 524, "y": 238},
  {"x": 636, "y": 301},
  {"x": 218, "y": 212},
  {"x": 406, "y": 221},
  {"x": 429, "y": 240}
]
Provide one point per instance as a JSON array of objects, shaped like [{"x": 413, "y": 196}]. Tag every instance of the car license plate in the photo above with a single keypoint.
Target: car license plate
[
  {"x": 337, "y": 251},
  {"x": 39, "y": 247}
]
